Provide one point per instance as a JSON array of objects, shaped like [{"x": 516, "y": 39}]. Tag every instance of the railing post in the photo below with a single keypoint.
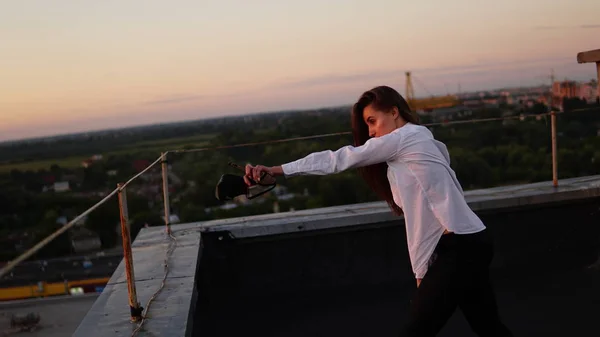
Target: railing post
[
  {"x": 134, "y": 305},
  {"x": 554, "y": 155},
  {"x": 165, "y": 178},
  {"x": 598, "y": 81},
  {"x": 592, "y": 56}
]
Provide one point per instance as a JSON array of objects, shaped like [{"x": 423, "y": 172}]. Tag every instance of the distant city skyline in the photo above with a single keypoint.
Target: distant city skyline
[{"x": 74, "y": 66}]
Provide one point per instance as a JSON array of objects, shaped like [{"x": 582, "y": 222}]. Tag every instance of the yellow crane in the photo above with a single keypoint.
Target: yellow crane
[{"x": 429, "y": 103}]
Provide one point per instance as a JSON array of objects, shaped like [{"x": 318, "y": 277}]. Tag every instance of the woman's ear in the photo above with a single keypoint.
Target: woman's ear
[{"x": 395, "y": 112}]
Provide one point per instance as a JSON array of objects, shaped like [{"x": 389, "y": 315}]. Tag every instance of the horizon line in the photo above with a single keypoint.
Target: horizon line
[{"x": 235, "y": 115}]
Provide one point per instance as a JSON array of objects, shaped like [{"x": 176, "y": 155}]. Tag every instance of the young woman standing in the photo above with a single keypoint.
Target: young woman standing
[{"x": 449, "y": 247}]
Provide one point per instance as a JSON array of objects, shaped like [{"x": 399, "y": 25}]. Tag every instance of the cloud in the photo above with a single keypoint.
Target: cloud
[
  {"x": 174, "y": 99},
  {"x": 551, "y": 27},
  {"x": 398, "y": 76},
  {"x": 486, "y": 66},
  {"x": 181, "y": 98},
  {"x": 333, "y": 79}
]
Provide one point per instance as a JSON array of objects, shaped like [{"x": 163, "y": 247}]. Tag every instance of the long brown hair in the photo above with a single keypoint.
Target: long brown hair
[{"x": 382, "y": 98}]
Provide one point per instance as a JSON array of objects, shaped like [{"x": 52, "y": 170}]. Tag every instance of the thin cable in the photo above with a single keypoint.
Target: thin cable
[
  {"x": 170, "y": 249},
  {"x": 61, "y": 230},
  {"x": 487, "y": 119},
  {"x": 581, "y": 110},
  {"x": 285, "y": 140},
  {"x": 261, "y": 143},
  {"x": 66, "y": 227},
  {"x": 53, "y": 236}
]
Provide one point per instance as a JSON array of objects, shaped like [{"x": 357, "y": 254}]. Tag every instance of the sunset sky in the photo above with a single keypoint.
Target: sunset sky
[{"x": 69, "y": 66}]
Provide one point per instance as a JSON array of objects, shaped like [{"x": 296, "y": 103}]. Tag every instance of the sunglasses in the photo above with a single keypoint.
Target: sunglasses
[
  {"x": 265, "y": 178},
  {"x": 231, "y": 186}
]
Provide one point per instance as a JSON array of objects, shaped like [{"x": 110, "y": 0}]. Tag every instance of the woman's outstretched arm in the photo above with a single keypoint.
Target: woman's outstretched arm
[{"x": 374, "y": 151}]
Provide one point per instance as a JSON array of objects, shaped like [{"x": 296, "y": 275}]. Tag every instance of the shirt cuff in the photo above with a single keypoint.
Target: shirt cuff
[{"x": 289, "y": 169}]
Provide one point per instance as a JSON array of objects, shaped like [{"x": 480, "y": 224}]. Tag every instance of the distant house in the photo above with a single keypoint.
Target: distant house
[
  {"x": 473, "y": 103},
  {"x": 49, "y": 179},
  {"x": 228, "y": 205},
  {"x": 589, "y": 92},
  {"x": 173, "y": 218},
  {"x": 74, "y": 179},
  {"x": 140, "y": 164},
  {"x": 449, "y": 112},
  {"x": 61, "y": 186},
  {"x": 84, "y": 240},
  {"x": 87, "y": 163},
  {"x": 111, "y": 173}
]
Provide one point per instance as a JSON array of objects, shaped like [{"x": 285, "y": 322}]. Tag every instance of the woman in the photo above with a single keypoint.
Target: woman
[{"x": 449, "y": 247}]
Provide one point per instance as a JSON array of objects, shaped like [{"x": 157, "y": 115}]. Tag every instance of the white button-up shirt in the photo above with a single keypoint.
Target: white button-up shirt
[{"x": 422, "y": 182}]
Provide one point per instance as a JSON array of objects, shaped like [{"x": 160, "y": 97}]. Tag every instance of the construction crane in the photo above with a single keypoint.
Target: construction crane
[{"x": 429, "y": 103}]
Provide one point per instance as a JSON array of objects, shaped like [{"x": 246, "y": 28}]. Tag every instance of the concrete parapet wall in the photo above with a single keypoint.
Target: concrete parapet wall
[
  {"x": 541, "y": 253},
  {"x": 344, "y": 271}
]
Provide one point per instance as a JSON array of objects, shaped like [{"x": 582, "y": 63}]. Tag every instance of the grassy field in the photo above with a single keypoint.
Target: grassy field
[
  {"x": 173, "y": 143},
  {"x": 157, "y": 147},
  {"x": 70, "y": 162}
]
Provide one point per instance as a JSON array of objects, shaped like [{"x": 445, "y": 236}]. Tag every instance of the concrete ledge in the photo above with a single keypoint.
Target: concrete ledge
[
  {"x": 172, "y": 312},
  {"x": 368, "y": 213},
  {"x": 588, "y": 56}
]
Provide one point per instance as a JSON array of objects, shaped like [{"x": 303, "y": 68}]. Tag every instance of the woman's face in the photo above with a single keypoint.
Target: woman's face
[{"x": 380, "y": 123}]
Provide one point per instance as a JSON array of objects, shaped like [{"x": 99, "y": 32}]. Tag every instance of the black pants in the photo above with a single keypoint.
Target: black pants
[{"x": 458, "y": 276}]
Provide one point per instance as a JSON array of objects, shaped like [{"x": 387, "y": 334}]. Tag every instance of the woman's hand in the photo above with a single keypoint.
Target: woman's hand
[{"x": 256, "y": 172}]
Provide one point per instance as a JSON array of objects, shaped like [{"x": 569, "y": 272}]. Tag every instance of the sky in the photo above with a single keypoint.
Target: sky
[{"x": 72, "y": 65}]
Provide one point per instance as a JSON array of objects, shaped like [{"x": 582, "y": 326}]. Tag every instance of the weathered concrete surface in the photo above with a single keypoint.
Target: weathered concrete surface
[
  {"x": 60, "y": 316},
  {"x": 170, "y": 312},
  {"x": 492, "y": 199},
  {"x": 345, "y": 271}
]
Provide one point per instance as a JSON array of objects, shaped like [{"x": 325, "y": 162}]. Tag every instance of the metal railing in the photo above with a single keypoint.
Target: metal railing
[{"x": 137, "y": 312}]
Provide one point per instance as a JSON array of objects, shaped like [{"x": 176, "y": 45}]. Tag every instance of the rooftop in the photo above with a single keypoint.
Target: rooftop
[
  {"x": 59, "y": 315},
  {"x": 344, "y": 270}
]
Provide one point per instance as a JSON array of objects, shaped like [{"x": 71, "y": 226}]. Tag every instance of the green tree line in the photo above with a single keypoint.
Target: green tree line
[{"x": 483, "y": 155}]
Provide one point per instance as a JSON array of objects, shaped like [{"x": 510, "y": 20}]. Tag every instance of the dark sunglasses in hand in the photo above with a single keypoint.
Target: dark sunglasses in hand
[
  {"x": 265, "y": 178},
  {"x": 231, "y": 186}
]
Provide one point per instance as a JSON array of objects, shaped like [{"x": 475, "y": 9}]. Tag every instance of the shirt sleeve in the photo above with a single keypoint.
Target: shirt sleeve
[
  {"x": 374, "y": 151},
  {"x": 443, "y": 150}
]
